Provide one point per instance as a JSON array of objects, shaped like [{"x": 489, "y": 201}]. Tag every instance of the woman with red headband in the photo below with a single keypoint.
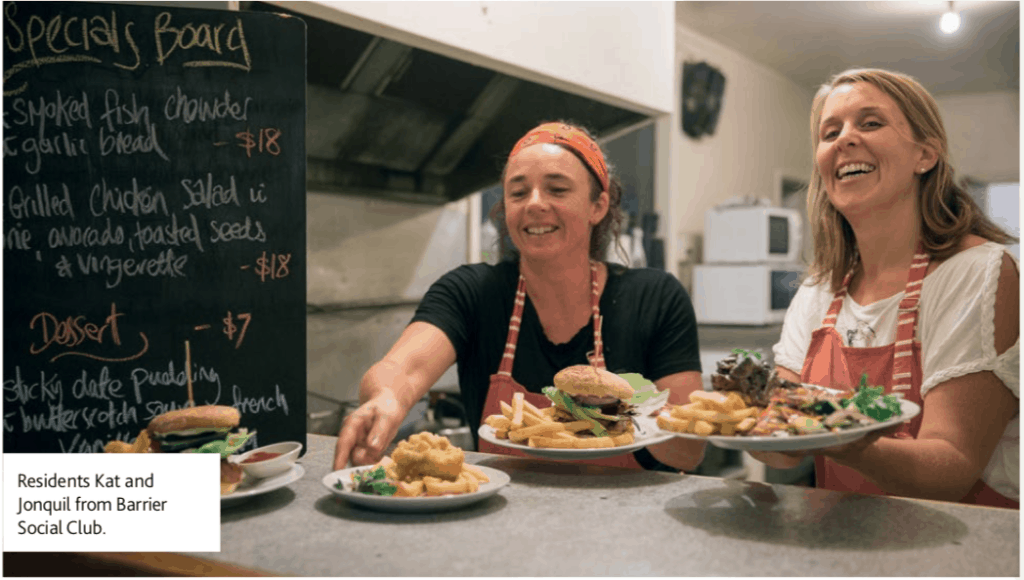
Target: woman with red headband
[{"x": 513, "y": 325}]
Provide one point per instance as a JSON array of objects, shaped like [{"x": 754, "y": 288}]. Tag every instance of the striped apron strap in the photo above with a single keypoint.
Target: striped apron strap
[
  {"x": 597, "y": 356},
  {"x": 837, "y": 303},
  {"x": 906, "y": 321},
  {"x": 505, "y": 368}
]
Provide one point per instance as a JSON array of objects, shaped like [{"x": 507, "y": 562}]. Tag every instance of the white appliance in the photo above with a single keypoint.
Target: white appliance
[
  {"x": 744, "y": 294},
  {"x": 752, "y": 234}
]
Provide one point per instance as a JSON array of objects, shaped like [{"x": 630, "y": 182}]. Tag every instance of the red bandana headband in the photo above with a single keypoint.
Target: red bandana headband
[{"x": 572, "y": 138}]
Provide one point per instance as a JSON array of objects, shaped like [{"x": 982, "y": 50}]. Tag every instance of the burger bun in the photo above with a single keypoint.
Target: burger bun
[
  {"x": 202, "y": 417},
  {"x": 591, "y": 381}
]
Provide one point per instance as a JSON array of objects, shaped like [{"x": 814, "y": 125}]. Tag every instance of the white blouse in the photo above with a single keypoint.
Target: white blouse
[{"x": 956, "y": 328}]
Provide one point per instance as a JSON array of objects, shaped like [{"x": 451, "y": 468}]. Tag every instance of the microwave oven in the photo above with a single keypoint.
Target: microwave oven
[
  {"x": 752, "y": 234},
  {"x": 744, "y": 294}
]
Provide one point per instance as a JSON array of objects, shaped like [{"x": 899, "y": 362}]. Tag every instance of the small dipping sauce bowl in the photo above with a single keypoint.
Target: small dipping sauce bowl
[{"x": 270, "y": 460}]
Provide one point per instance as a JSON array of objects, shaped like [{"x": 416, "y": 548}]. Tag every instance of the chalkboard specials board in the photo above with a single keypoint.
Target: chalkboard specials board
[{"x": 153, "y": 220}]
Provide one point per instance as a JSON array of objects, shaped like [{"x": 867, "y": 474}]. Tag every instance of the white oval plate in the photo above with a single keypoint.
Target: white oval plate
[
  {"x": 498, "y": 480},
  {"x": 802, "y": 442},
  {"x": 647, "y": 433},
  {"x": 252, "y": 486}
]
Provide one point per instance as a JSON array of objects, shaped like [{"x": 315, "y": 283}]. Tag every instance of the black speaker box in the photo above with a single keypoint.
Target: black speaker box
[{"x": 703, "y": 88}]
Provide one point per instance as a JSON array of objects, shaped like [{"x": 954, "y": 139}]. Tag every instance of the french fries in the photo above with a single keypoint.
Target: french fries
[
  {"x": 709, "y": 413},
  {"x": 517, "y": 410},
  {"x": 539, "y": 428}
]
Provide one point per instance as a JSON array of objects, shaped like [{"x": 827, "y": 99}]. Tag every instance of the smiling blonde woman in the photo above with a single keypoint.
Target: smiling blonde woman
[{"x": 911, "y": 271}]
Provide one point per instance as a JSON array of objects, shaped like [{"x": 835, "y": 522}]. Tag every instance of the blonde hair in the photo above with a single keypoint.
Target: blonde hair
[{"x": 947, "y": 213}]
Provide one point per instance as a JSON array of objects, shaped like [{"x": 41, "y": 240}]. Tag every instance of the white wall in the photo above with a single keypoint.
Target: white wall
[
  {"x": 615, "y": 52},
  {"x": 1003, "y": 201},
  {"x": 983, "y": 130},
  {"x": 762, "y": 129},
  {"x": 366, "y": 251}
]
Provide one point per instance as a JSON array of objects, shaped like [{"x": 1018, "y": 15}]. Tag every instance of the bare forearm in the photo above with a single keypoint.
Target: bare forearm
[
  {"x": 925, "y": 468},
  {"x": 386, "y": 377}
]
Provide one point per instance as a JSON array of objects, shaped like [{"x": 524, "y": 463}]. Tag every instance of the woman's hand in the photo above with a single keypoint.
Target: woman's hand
[
  {"x": 850, "y": 451},
  {"x": 840, "y": 453},
  {"x": 367, "y": 431},
  {"x": 390, "y": 389},
  {"x": 683, "y": 454}
]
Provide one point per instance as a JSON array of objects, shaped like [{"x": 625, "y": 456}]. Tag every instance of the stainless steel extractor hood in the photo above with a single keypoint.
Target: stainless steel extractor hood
[{"x": 389, "y": 120}]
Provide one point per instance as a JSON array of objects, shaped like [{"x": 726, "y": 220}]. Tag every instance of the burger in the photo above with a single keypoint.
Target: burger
[
  {"x": 597, "y": 396},
  {"x": 202, "y": 429}
]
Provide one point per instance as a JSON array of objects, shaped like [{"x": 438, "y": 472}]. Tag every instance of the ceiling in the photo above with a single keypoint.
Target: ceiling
[{"x": 809, "y": 41}]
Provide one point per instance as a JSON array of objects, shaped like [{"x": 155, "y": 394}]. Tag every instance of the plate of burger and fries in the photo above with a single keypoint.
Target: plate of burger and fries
[
  {"x": 215, "y": 429},
  {"x": 751, "y": 408},
  {"x": 593, "y": 414}
]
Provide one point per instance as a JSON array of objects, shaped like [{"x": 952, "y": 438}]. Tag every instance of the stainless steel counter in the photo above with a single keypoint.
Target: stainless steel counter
[{"x": 565, "y": 519}]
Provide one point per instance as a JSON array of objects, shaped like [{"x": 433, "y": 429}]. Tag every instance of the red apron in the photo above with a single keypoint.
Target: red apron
[
  {"x": 502, "y": 386},
  {"x": 896, "y": 366}
]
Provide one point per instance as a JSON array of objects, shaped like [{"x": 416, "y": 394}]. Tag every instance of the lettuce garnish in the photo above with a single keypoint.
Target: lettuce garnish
[
  {"x": 872, "y": 401},
  {"x": 225, "y": 447},
  {"x": 580, "y": 412},
  {"x": 643, "y": 388},
  {"x": 372, "y": 482}
]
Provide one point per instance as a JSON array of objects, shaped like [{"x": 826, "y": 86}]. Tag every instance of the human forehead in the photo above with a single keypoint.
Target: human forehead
[
  {"x": 550, "y": 159},
  {"x": 852, "y": 98}
]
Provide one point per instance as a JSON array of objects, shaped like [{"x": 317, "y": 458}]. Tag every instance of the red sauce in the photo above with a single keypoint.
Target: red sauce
[{"x": 261, "y": 456}]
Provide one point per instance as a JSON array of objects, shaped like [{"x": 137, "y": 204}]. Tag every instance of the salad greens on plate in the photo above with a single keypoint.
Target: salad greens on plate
[
  {"x": 371, "y": 482},
  {"x": 872, "y": 402}
]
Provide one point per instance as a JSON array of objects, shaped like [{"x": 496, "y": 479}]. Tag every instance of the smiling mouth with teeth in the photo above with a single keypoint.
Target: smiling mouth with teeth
[
  {"x": 541, "y": 230},
  {"x": 853, "y": 170}
]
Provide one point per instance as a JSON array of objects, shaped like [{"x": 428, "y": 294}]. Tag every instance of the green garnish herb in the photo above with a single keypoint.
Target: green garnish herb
[
  {"x": 373, "y": 482},
  {"x": 872, "y": 402},
  {"x": 747, "y": 353}
]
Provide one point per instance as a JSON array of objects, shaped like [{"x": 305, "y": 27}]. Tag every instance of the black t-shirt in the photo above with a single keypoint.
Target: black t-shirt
[{"x": 649, "y": 328}]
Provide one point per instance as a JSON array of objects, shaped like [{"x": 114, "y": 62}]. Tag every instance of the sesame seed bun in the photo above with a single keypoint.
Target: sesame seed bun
[{"x": 592, "y": 381}]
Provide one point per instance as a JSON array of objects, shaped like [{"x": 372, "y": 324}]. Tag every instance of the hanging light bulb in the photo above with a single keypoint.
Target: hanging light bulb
[{"x": 950, "y": 21}]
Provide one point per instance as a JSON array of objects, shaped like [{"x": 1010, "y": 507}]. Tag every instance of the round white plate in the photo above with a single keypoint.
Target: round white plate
[
  {"x": 647, "y": 433},
  {"x": 498, "y": 480},
  {"x": 252, "y": 487},
  {"x": 802, "y": 442}
]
